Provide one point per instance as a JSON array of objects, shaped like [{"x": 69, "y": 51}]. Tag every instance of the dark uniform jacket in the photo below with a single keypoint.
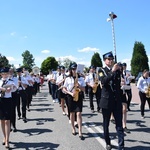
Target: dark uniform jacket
[{"x": 110, "y": 94}]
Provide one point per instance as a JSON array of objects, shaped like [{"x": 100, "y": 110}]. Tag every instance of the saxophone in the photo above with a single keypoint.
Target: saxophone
[
  {"x": 95, "y": 84},
  {"x": 148, "y": 91},
  {"x": 76, "y": 89}
]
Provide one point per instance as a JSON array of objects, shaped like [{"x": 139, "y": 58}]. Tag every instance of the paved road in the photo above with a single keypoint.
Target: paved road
[{"x": 48, "y": 129}]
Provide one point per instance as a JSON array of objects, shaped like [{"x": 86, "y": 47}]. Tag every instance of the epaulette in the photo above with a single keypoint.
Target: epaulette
[{"x": 101, "y": 72}]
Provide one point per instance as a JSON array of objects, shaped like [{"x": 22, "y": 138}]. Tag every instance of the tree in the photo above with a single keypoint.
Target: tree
[
  {"x": 139, "y": 60},
  {"x": 4, "y": 62},
  {"x": 96, "y": 60},
  {"x": 48, "y": 64},
  {"x": 67, "y": 62},
  {"x": 28, "y": 60}
]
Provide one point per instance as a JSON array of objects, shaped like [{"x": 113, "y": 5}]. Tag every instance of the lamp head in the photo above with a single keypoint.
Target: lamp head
[{"x": 111, "y": 14}]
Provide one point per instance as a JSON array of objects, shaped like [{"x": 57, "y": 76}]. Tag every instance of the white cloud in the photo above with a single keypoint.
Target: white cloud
[
  {"x": 10, "y": 58},
  {"x": 45, "y": 51},
  {"x": 12, "y": 33},
  {"x": 88, "y": 49},
  {"x": 70, "y": 57}
]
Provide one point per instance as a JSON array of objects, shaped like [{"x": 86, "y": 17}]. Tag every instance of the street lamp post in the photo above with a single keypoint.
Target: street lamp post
[{"x": 112, "y": 16}]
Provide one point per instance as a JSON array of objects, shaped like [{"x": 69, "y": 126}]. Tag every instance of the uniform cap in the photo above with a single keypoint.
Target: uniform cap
[
  {"x": 108, "y": 55},
  {"x": 74, "y": 65},
  {"x": 3, "y": 70},
  {"x": 124, "y": 64},
  {"x": 19, "y": 70},
  {"x": 62, "y": 68},
  {"x": 92, "y": 67}
]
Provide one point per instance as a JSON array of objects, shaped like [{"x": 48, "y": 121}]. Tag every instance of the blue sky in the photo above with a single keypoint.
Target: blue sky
[{"x": 73, "y": 29}]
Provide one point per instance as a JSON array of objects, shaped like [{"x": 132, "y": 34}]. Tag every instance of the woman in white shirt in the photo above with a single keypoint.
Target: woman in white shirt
[
  {"x": 143, "y": 84},
  {"x": 71, "y": 84},
  {"x": 7, "y": 86}
]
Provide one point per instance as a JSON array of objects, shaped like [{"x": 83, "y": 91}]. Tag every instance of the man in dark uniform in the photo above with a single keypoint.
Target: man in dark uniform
[{"x": 110, "y": 102}]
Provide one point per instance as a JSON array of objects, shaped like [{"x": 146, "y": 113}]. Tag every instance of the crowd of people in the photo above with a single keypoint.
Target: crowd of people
[
  {"x": 16, "y": 91},
  {"x": 110, "y": 85}
]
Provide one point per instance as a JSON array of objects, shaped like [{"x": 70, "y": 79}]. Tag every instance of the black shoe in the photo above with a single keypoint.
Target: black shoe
[
  {"x": 113, "y": 121},
  {"x": 25, "y": 120},
  {"x": 108, "y": 147},
  {"x": 129, "y": 109},
  {"x": 14, "y": 130},
  {"x": 3, "y": 143},
  {"x": 126, "y": 130},
  {"x": 19, "y": 118},
  {"x": 81, "y": 137},
  {"x": 7, "y": 146},
  {"x": 73, "y": 133}
]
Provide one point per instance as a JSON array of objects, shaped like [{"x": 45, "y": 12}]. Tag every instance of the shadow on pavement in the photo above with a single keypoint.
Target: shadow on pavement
[
  {"x": 42, "y": 119},
  {"x": 35, "y": 146},
  {"x": 42, "y": 109},
  {"x": 34, "y": 131}
]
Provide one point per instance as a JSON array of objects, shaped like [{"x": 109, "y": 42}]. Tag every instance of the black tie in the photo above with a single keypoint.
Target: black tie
[
  {"x": 125, "y": 73},
  {"x": 19, "y": 78},
  {"x": 4, "y": 82},
  {"x": 93, "y": 76}
]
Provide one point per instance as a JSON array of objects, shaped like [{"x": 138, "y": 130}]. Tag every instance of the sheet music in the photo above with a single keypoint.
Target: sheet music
[{"x": 80, "y": 68}]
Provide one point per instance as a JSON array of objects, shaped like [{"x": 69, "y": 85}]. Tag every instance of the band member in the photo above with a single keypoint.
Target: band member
[
  {"x": 29, "y": 89},
  {"x": 93, "y": 88},
  {"x": 38, "y": 82},
  {"x": 49, "y": 76},
  {"x": 57, "y": 91},
  {"x": 124, "y": 87},
  {"x": 86, "y": 87},
  {"x": 22, "y": 85},
  {"x": 14, "y": 99},
  {"x": 59, "y": 82},
  {"x": 73, "y": 86},
  {"x": 41, "y": 80},
  {"x": 7, "y": 86},
  {"x": 143, "y": 85},
  {"x": 54, "y": 87},
  {"x": 34, "y": 84},
  {"x": 111, "y": 102},
  {"x": 128, "y": 91}
]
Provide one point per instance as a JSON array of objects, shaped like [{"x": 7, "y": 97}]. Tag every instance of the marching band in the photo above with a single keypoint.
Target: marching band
[{"x": 109, "y": 84}]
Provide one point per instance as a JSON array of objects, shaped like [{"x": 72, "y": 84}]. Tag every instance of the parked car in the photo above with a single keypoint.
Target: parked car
[{"x": 137, "y": 78}]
